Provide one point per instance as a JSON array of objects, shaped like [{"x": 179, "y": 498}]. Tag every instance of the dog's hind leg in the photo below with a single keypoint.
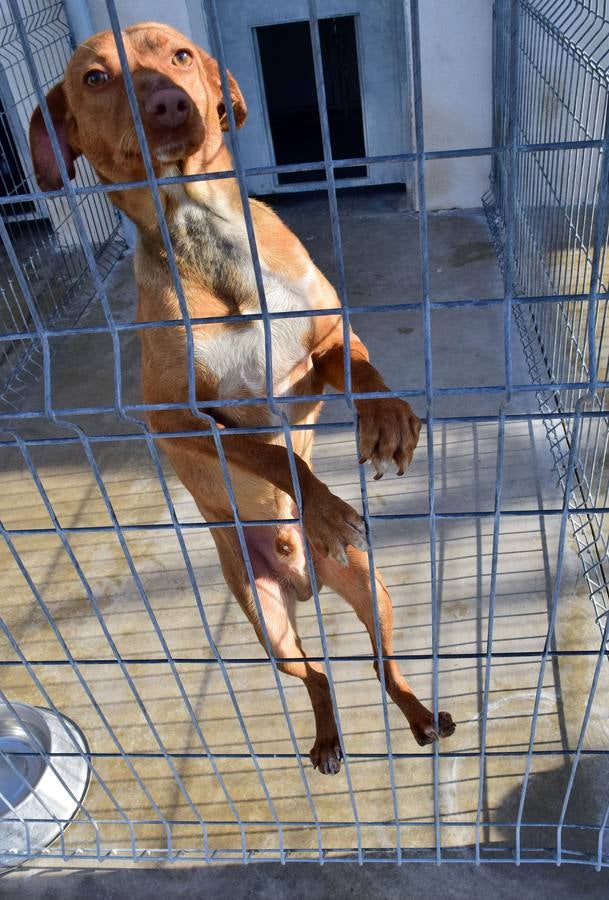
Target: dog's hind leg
[
  {"x": 278, "y": 599},
  {"x": 353, "y": 584}
]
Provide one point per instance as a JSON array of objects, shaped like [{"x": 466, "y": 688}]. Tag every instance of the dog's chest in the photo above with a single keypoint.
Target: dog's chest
[{"x": 236, "y": 354}]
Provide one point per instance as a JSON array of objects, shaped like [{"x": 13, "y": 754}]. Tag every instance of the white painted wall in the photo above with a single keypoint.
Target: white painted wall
[
  {"x": 456, "y": 56},
  {"x": 456, "y": 67},
  {"x": 185, "y": 15}
]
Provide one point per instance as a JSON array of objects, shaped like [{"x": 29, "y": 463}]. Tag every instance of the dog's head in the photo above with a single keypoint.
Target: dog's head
[{"x": 179, "y": 96}]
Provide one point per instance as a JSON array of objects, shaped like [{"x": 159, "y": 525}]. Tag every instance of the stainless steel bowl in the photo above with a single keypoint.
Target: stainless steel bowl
[{"x": 42, "y": 781}]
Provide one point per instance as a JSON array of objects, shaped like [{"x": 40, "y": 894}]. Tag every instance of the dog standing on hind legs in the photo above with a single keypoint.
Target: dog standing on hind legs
[{"x": 180, "y": 98}]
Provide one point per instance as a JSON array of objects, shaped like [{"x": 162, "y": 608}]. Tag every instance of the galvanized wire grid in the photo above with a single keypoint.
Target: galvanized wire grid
[
  {"x": 528, "y": 160},
  {"x": 561, "y": 239},
  {"x": 42, "y": 231}
]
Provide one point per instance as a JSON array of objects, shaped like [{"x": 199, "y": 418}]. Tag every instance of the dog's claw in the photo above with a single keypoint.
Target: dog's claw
[
  {"x": 326, "y": 757},
  {"x": 381, "y": 466},
  {"x": 446, "y": 724},
  {"x": 388, "y": 433},
  {"x": 427, "y": 733}
]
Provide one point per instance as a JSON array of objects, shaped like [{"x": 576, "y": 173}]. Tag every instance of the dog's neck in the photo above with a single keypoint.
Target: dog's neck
[
  {"x": 208, "y": 235},
  {"x": 219, "y": 196}
]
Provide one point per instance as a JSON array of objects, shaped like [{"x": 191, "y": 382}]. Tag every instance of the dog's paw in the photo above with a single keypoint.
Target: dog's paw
[
  {"x": 326, "y": 756},
  {"x": 331, "y": 525},
  {"x": 388, "y": 432},
  {"x": 426, "y": 731}
]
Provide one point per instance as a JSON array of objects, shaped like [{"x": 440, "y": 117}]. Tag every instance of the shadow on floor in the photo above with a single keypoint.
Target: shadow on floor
[
  {"x": 268, "y": 881},
  {"x": 544, "y": 800}
]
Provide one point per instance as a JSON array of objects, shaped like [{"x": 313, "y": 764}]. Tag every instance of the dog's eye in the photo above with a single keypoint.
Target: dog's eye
[
  {"x": 182, "y": 58},
  {"x": 95, "y": 78}
]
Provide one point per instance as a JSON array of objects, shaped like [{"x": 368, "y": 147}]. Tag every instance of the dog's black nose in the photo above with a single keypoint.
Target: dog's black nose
[{"x": 169, "y": 107}]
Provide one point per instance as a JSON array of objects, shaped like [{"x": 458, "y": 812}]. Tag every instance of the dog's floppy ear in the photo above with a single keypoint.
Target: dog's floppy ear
[
  {"x": 45, "y": 165},
  {"x": 238, "y": 103}
]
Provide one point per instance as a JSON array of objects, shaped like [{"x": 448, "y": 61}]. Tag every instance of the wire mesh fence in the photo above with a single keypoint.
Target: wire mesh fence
[
  {"x": 42, "y": 230},
  {"x": 561, "y": 238},
  {"x": 192, "y": 739}
]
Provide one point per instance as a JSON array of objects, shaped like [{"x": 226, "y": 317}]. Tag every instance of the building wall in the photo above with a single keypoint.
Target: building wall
[
  {"x": 185, "y": 15},
  {"x": 457, "y": 81},
  {"x": 457, "y": 70},
  {"x": 382, "y": 68}
]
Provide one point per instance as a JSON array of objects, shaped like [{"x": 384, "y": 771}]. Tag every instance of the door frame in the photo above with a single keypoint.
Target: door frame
[
  {"x": 278, "y": 188},
  {"x": 386, "y": 113}
]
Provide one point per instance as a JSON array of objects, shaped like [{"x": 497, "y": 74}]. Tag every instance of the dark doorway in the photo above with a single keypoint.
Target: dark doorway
[
  {"x": 12, "y": 177},
  {"x": 286, "y": 58}
]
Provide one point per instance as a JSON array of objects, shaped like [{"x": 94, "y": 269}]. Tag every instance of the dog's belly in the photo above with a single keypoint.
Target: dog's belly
[{"x": 277, "y": 553}]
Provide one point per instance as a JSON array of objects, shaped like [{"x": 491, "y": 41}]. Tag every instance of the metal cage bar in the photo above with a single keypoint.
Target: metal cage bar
[
  {"x": 42, "y": 230},
  {"x": 547, "y": 209}
]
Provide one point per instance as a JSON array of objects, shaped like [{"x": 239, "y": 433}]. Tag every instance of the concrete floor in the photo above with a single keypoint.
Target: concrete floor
[
  {"x": 345, "y": 881},
  {"x": 382, "y": 263}
]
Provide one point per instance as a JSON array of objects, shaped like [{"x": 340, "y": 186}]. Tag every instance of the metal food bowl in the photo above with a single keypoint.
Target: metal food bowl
[{"x": 43, "y": 779}]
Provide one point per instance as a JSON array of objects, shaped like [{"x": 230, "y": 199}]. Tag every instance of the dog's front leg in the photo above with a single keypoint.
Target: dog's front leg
[
  {"x": 388, "y": 428},
  {"x": 330, "y": 524}
]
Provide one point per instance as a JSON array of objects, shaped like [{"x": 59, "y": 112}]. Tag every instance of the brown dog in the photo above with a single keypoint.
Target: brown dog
[{"x": 180, "y": 99}]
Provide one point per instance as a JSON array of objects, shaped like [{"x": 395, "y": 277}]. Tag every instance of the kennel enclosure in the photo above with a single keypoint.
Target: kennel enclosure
[{"x": 494, "y": 545}]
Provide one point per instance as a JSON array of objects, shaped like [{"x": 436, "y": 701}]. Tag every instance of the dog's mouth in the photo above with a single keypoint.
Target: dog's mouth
[
  {"x": 172, "y": 151},
  {"x": 168, "y": 152}
]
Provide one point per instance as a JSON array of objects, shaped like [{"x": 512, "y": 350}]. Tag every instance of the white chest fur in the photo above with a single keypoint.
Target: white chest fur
[{"x": 236, "y": 354}]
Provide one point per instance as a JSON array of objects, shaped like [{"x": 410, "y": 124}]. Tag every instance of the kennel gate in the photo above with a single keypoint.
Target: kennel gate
[{"x": 547, "y": 207}]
